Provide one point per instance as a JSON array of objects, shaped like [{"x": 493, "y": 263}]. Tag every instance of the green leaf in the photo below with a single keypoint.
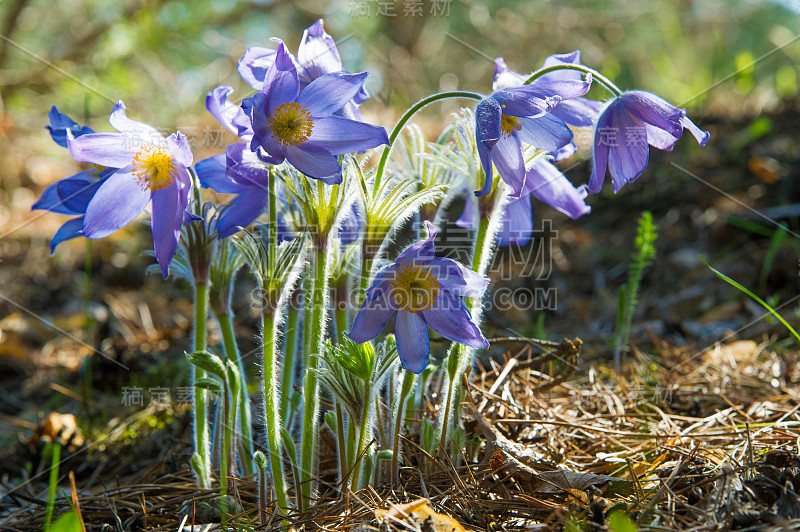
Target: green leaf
[
  {"x": 68, "y": 522},
  {"x": 753, "y": 296},
  {"x": 208, "y": 361}
]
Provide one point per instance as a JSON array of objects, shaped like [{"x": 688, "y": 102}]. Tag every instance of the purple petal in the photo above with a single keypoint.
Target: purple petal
[
  {"x": 245, "y": 167},
  {"x": 579, "y": 112},
  {"x": 114, "y": 150},
  {"x": 456, "y": 278},
  {"x": 421, "y": 251},
  {"x": 564, "y": 152},
  {"x": 571, "y": 58},
  {"x": 280, "y": 84},
  {"x": 504, "y": 77},
  {"x": 628, "y": 158},
  {"x": 212, "y": 173},
  {"x": 413, "y": 345},
  {"x": 254, "y": 64},
  {"x": 317, "y": 54},
  {"x": 488, "y": 118},
  {"x": 71, "y": 229},
  {"x": 138, "y": 130},
  {"x": 600, "y": 147},
  {"x": 545, "y": 132},
  {"x": 169, "y": 205},
  {"x": 315, "y": 161},
  {"x": 449, "y": 317},
  {"x": 329, "y": 93},
  {"x": 376, "y": 310},
  {"x": 507, "y": 156},
  {"x": 340, "y": 135},
  {"x": 227, "y": 113},
  {"x": 179, "y": 146},
  {"x": 469, "y": 217},
  {"x": 517, "y": 227},
  {"x": 701, "y": 136},
  {"x": 658, "y": 138},
  {"x": 118, "y": 201},
  {"x": 653, "y": 110},
  {"x": 549, "y": 185},
  {"x": 241, "y": 211},
  {"x": 60, "y": 123},
  {"x": 516, "y": 101},
  {"x": 66, "y": 196}
]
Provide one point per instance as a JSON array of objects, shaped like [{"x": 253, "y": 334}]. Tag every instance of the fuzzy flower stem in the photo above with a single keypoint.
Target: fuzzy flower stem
[
  {"x": 399, "y": 413},
  {"x": 485, "y": 246},
  {"x": 604, "y": 81},
  {"x": 232, "y": 350},
  {"x": 289, "y": 356},
  {"x": 309, "y": 453},
  {"x": 362, "y": 434},
  {"x": 414, "y": 109},
  {"x": 269, "y": 332},
  {"x": 341, "y": 441},
  {"x": 200, "y": 411}
]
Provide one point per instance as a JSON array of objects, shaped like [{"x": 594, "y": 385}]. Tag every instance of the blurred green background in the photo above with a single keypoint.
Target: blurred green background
[{"x": 161, "y": 57}]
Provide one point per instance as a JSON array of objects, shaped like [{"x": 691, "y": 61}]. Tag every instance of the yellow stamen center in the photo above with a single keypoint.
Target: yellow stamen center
[
  {"x": 509, "y": 124},
  {"x": 154, "y": 168},
  {"x": 415, "y": 288},
  {"x": 291, "y": 124}
]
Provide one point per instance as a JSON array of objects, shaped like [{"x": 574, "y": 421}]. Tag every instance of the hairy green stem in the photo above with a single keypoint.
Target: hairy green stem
[
  {"x": 414, "y": 109},
  {"x": 289, "y": 356},
  {"x": 309, "y": 453},
  {"x": 269, "y": 334},
  {"x": 362, "y": 435},
  {"x": 399, "y": 413},
  {"x": 342, "y": 442},
  {"x": 232, "y": 350},
  {"x": 481, "y": 257},
  {"x": 604, "y": 81},
  {"x": 200, "y": 411}
]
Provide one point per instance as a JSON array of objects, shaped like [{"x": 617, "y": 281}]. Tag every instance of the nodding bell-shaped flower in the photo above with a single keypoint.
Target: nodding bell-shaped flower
[{"x": 625, "y": 130}]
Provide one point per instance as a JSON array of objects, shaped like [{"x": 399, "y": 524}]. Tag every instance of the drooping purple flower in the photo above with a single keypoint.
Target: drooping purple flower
[
  {"x": 151, "y": 169},
  {"x": 421, "y": 291},
  {"x": 317, "y": 55},
  {"x": 543, "y": 181},
  {"x": 71, "y": 195},
  {"x": 578, "y": 112},
  {"x": 625, "y": 128},
  {"x": 510, "y": 116},
  {"x": 298, "y": 125}
]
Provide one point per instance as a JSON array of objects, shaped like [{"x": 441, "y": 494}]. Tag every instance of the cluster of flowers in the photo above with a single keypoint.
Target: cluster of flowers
[{"x": 305, "y": 116}]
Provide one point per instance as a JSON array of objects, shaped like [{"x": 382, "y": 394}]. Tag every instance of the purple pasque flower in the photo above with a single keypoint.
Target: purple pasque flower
[
  {"x": 421, "y": 291},
  {"x": 625, "y": 128},
  {"x": 71, "y": 195},
  {"x": 510, "y": 116},
  {"x": 578, "y": 112},
  {"x": 317, "y": 55},
  {"x": 299, "y": 125},
  {"x": 543, "y": 181},
  {"x": 150, "y": 169}
]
